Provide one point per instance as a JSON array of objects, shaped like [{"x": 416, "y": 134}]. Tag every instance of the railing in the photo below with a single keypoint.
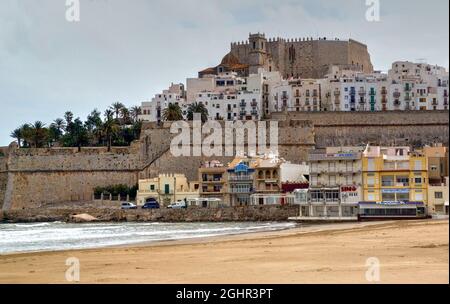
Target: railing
[
  {"x": 384, "y": 92},
  {"x": 209, "y": 180},
  {"x": 240, "y": 178},
  {"x": 397, "y": 94},
  {"x": 242, "y": 104},
  {"x": 243, "y": 190},
  {"x": 337, "y": 93}
]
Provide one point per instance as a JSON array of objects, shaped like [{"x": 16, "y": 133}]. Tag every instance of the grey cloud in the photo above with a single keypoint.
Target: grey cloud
[{"x": 130, "y": 50}]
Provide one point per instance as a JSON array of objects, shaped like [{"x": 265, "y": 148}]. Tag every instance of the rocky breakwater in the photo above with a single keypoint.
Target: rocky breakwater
[{"x": 193, "y": 214}]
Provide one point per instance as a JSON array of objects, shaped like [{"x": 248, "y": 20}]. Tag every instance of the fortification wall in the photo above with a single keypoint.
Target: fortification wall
[
  {"x": 415, "y": 128},
  {"x": 31, "y": 177},
  {"x": 32, "y": 189}
]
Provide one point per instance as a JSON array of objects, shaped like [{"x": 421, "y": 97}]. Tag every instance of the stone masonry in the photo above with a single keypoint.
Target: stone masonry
[{"x": 34, "y": 177}]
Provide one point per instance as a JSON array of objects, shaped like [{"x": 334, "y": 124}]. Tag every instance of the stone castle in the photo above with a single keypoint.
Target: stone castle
[{"x": 299, "y": 58}]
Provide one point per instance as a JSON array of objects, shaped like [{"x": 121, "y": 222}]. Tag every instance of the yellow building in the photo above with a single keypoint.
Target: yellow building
[
  {"x": 394, "y": 175},
  {"x": 167, "y": 188}
]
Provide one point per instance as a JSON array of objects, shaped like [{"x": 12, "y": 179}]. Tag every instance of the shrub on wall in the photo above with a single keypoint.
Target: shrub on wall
[{"x": 115, "y": 190}]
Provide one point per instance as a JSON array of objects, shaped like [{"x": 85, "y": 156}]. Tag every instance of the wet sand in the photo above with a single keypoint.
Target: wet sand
[{"x": 408, "y": 251}]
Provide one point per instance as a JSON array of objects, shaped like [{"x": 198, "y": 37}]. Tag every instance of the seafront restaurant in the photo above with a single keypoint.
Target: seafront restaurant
[
  {"x": 335, "y": 185},
  {"x": 395, "y": 183}
]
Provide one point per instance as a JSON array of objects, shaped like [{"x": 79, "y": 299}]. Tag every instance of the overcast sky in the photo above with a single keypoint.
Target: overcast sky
[{"x": 129, "y": 50}]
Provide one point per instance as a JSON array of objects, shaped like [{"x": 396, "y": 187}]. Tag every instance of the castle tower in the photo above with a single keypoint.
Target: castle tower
[{"x": 258, "y": 52}]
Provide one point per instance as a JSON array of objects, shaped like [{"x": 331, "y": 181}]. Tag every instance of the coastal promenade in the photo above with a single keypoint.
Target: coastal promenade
[{"x": 408, "y": 252}]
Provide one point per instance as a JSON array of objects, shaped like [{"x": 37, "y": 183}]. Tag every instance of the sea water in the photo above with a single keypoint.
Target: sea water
[{"x": 16, "y": 238}]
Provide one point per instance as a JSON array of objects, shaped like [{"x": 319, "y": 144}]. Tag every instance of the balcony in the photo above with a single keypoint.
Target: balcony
[
  {"x": 372, "y": 93},
  {"x": 362, "y": 92},
  {"x": 240, "y": 178},
  {"x": 337, "y": 93},
  {"x": 254, "y": 113},
  {"x": 254, "y": 104},
  {"x": 242, "y": 104},
  {"x": 384, "y": 92},
  {"x": 397, "y": 95},
  {"x": 407, "y": 88},
  {"x": 394, "y": 184},
  {"x": 242, "y": 190},
  {"x": 213, "y": 180}
]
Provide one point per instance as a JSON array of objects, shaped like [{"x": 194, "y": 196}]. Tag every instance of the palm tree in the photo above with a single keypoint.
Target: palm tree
[
  {"x": 38, "y": 134},
  {"x": 17, "y": 134},
  {"x": 172, "y": 113},
  {"x": 25, "y": 131},
  {"x": 59, "y": 124},
  {"x": 125, "y": 116},
  {"x": 197, "y": 108},
  {"x": 135, "y": 111},
  {"x": 117, "y": 107},
  {"x": 109, "y": 127}
]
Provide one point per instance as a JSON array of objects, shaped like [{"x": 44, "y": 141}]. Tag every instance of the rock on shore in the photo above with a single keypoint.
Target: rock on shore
[{"x": 82, "y": 218}]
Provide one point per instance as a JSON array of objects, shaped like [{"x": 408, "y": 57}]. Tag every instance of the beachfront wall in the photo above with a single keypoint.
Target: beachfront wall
[{"x": 191, "y": 214}]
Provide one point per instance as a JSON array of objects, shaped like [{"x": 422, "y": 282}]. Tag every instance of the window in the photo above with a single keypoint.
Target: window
[
  {"x": 371, "y": 196},
  {"x": 388, "y": 197},
  {"x": 402, "y": 197},
  {"x": 387, "y": 181},
  {"x": 438, "y": 195},
  {"x": 403, "y": 181},
  {"x": 371, "y": 164},
  {"x": 371, "y": 180},
  {"x": 152, "y": 187},
  {"x": 418, "y": 165},
  {"x": 419, "y": 196}
]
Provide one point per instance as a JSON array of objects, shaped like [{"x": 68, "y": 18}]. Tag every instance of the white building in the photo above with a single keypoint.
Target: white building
[
  {"x": 153, "y": 110},
  {"x": 335, "y": 183},
  {"x": 418, "y": 86}
]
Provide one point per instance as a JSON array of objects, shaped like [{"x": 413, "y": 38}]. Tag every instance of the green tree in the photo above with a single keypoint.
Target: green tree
[
  {"x": 197, "y": 108},
  {"x": 117, "y": 107},
  {"x": 38, "y": 134},
  {"x": 125, "y": 116},
  {"x": 17, "y": 135},
  {"x": 54, "y": 134},
  {"x": 94, "y": 127},
  {"x": 135, "y": 111},
  {"x": 172, "y": 113},
  {"x": 110, "y": 128},
  {"x": 25, "y": 131},
  {"x": 68, "y": 116}
]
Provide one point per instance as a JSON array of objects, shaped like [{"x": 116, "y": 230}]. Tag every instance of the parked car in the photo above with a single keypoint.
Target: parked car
[
  {"x": 151, "y": 205},
  {"x": 128, "y": 206},
  {"x": 178, "y": 205}
]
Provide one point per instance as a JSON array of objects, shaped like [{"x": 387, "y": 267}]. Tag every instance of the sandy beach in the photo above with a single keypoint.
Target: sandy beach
[{"x": 408, "y": 251}]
